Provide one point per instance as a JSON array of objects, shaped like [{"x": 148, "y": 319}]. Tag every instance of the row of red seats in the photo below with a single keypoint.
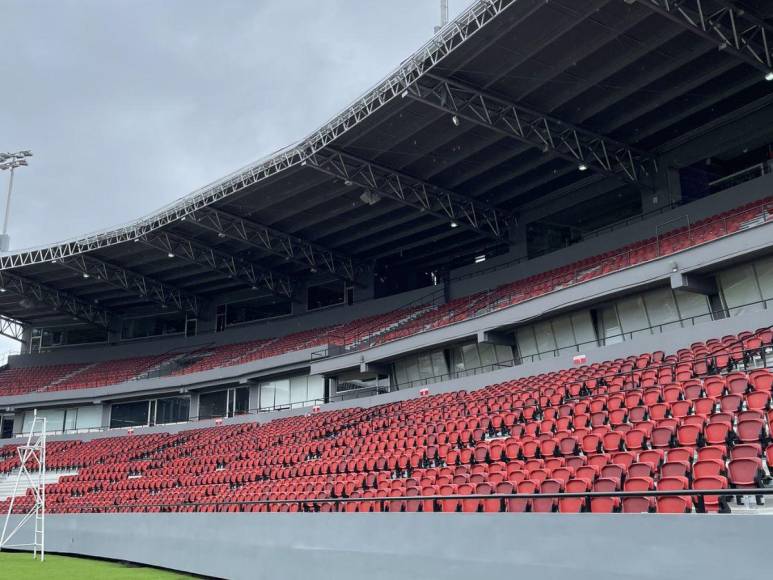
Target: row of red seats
[{"x": 628, "y": 424}]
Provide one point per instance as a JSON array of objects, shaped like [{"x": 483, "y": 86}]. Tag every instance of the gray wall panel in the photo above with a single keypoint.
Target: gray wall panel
[{"x": 427, "y": 546}]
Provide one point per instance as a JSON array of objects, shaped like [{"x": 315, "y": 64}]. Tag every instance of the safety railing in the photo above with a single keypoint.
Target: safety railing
[
  {"x": 581, "y": 346},
  {"x": 709, "y": 316},
  {"x": 418, "y": 502},
  {"x": 738, "y": 177},
  {"x": 470, "y": 372}
]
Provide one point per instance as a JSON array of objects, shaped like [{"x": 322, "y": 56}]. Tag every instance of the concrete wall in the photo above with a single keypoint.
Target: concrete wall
[{"x": 427, "y": 546}]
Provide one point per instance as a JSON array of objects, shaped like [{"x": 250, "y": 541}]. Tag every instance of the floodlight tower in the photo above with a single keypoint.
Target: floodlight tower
[
  {"x": 443, "y": 15},
  {"x": 10, "y": 161}
]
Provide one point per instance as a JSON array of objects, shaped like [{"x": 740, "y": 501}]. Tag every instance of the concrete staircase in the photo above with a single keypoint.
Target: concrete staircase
[
  {"x": 8, "y": 481},
  {"x": 395, "y": 325},
  {"x": 69, "y": 375}
]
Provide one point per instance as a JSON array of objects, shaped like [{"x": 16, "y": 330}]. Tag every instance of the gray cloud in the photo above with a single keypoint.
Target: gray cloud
[{"x": 129, "y": 105}]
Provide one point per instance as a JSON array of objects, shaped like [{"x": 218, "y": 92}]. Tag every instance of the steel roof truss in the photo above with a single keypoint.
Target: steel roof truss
[
  {"x": 290, "y": 247},
  {"x": 59, "y": 300},
  {"x": 446, "y": 41},
  {"x": 731, "y": 28},
  {"x": 11, "y": 328},
  {"x": 470, "y": 213},
  {"x": 134, "y": 283},
  {"x": 548, "y": 134},
  {"x": 215, "y": 260}
]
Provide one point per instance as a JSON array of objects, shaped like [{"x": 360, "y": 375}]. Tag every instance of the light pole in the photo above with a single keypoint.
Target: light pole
[{"x": 10, "y": 161}]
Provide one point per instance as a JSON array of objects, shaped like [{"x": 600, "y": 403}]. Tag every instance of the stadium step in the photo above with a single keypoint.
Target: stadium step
[
  {"x": 392, "y": 327},
  {"x": 70, "y": 375},
  {"x": 8, "y": 482}
]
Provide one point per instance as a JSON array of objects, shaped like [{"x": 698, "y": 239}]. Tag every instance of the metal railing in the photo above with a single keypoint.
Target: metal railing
[
  {"x": 738, "y": 177},
  {"x": 470, "y": 372},
  {"x": 709, "y": 316},
  {"x": 338, "y": 504}
]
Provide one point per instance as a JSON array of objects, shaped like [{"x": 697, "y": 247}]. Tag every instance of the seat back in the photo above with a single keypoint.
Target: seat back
[
  {"x": 745, "y": 472},
  {"x": 709, "y": 502},
  {"x": 547, "y": 504}
]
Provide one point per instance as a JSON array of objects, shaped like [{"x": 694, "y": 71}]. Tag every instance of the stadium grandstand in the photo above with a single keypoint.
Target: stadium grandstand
[{"x": 524, "y": 283}]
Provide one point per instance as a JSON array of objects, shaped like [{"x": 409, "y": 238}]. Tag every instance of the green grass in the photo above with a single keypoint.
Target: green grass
[{"x": 21, "y": 566}]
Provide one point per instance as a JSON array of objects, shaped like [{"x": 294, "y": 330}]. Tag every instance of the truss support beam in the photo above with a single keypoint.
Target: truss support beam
[
  {"x": 288, "y": 246},
  {"x": 134, "y": 283},
  {"x": 451, "y": 207},
  {"x": 12, "y": 329},
  {"x": 59, "y": 300},
  {"x": 586, "y": 149},
  {"x": 234, "y": 267},
  {"x": 733, "y": 29}
]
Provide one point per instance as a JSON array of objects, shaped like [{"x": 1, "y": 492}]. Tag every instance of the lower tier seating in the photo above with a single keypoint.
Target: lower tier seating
[{"x": 697, "y": 419}]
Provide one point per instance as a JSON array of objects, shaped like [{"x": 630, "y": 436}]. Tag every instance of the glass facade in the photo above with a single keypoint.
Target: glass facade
[
  {"x": 134, "y": 414},
  {"x": 213, "y": 405},
  {"x": 297, "y": 391},
  {"x": 172, "y": 410}
]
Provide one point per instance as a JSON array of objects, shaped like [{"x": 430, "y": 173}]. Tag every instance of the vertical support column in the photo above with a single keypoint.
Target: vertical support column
[
  {"x": 517, "y": 234},
  {"x": 193, "y": 413},
  {"x": 667, "y": 191},
  {"x": 254, "y": 400},
  {"x": 105, "y": 422},
  {"x": 114, "y": 330},
  {"x": 206, "y": 317},
  {"x": 365, "y": 289}
]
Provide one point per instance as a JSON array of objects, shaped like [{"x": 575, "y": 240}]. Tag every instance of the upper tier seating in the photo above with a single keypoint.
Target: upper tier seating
[
  {"x": 668, "y": 243},
  {"x": 339, "y": 335},
  {"x": 378, "y": 329},
  {"x": 20, "y": 381},
  {"x": 110, "y": 372},
  {"x": 700, "y": 418}
]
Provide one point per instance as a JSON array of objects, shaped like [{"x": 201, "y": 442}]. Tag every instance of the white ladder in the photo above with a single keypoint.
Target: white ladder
[{"x": 34, "y": 452}]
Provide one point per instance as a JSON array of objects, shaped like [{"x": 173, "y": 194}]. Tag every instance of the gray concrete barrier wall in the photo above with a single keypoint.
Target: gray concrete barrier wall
[{"x": 427, "y": 546}]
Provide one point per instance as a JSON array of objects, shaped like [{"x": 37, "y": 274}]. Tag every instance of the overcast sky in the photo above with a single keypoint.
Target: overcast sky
[{"x": 128, "y": 104}]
